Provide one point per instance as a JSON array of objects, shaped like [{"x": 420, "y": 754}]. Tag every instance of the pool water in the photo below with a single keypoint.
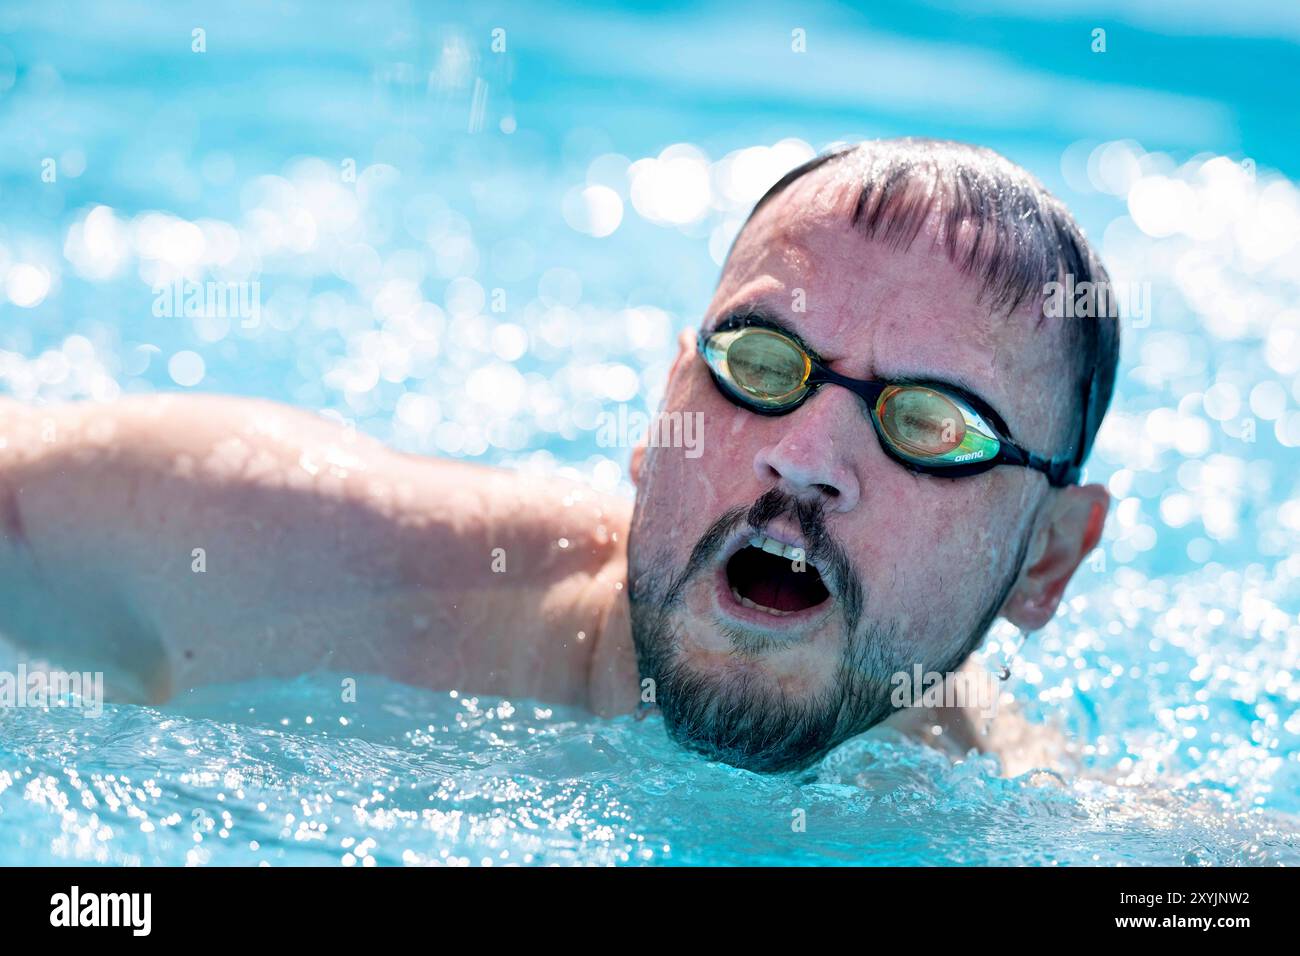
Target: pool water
[
  {"x": 475, "y": 254},
  {"x": 1187, "y": 761}
]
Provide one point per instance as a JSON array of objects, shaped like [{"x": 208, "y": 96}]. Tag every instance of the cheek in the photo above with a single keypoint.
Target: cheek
[
  {"x": 686, "y": 485},
  {"x": 716, "y": 473},
  {"x": 929, "y": 552}
]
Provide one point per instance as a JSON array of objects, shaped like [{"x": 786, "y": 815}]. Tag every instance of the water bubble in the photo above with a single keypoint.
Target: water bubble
[
  {"x": 186, "y": 368},
  {"x": 26, "y": 285},
  {"x": 594, "y": 210}
]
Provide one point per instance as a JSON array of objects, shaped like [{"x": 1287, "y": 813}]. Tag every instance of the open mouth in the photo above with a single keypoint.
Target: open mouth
[{"x": 769, "y": 575}]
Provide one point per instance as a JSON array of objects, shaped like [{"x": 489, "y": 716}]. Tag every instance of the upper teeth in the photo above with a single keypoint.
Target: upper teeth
[{"x": 779, "y": 548}]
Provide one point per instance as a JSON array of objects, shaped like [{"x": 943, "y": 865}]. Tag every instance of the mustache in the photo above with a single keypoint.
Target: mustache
[{"x": 838, "y": 573}]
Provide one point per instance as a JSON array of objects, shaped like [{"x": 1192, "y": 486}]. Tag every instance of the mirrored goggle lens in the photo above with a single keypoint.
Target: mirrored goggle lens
[
  {"x": 931, "y": 428},
  {"x": 766, "y": 366}
]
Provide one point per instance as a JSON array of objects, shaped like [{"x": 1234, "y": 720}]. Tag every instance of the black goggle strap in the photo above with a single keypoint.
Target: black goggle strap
[
  {"x": 1068, "y": 469},
  {"x": 1059, "y": 471}
]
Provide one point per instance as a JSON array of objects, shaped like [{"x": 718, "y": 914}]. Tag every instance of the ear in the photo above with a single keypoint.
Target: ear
[
  {"x": 685, "y": 351},
  {"x": 1069, "y": 527}
]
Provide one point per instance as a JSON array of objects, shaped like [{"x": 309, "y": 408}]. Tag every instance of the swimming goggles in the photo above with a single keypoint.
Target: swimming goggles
[{"x": 930, "y": 428}]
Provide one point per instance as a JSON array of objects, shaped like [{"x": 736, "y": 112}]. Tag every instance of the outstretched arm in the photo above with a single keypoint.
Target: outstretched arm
[{"x": 173, "y": 541}]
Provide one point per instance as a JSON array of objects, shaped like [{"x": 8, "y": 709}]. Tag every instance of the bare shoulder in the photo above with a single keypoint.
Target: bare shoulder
[
  {"x": 995, "y": 725},
  {"x": 1022, "y": 745}
]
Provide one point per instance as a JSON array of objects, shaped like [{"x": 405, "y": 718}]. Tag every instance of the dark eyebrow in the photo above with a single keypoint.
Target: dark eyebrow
[{"x": 755, "y": 314}]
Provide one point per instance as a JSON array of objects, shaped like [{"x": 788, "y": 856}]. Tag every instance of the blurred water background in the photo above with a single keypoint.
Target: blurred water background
[{"x": 473, "y": 229}]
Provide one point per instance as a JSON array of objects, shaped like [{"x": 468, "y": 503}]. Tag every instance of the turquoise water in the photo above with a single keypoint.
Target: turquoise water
[{"x": 525, "y": 232}]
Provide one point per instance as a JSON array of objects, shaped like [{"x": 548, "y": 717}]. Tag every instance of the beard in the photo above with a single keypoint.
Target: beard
[{"x": 746, "y": 720}]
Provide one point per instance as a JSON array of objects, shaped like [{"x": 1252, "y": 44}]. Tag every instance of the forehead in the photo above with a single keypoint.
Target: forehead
[{"x": 873, "y": 310}]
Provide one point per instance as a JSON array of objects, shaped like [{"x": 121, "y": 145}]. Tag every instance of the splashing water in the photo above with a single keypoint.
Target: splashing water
[{"x": 1187, "y": 763}]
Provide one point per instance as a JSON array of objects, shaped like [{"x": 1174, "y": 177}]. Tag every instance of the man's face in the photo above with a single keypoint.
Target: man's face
[{"x": 902, "y": 568}]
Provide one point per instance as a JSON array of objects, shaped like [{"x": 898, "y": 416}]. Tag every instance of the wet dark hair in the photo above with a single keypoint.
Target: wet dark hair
[{"x": 999, "y": 225}]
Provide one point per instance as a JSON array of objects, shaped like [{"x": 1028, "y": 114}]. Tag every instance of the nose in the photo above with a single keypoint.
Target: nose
[{"x": 811, "y": 457}]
